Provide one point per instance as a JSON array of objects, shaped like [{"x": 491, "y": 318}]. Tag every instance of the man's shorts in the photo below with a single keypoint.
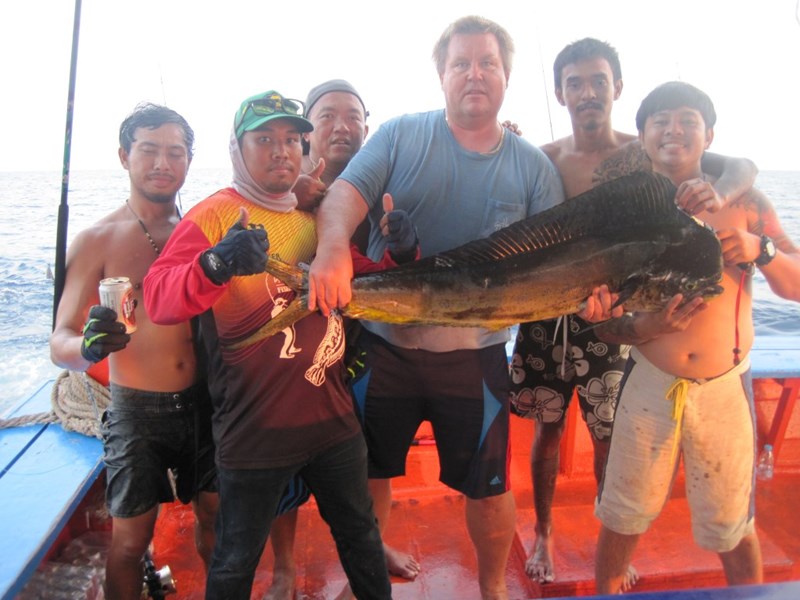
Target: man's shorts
[
  {"x": 296, "y": 494},
  {"x": 544, "y": 376},
  {"x": 145, "y": 434},
  {"x": 715, "y": 434},
  {"x": 464, "y": 395}
]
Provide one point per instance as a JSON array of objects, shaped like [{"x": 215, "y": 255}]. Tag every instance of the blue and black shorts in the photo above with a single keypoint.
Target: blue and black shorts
[{"x": 464, "y": 395}]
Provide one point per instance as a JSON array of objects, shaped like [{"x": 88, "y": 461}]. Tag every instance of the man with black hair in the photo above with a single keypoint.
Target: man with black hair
[
  {"x": 160, "y": 414},
  {"x": 687, "y": 391},
  {"x": 554, "y": 358}
]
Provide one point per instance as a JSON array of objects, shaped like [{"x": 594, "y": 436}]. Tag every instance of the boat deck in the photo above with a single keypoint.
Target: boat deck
[{"x": 428, "y": 520}]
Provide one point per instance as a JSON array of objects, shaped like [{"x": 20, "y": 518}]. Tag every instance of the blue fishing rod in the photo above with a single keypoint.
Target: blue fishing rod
[{"x": 63, "y": 209}]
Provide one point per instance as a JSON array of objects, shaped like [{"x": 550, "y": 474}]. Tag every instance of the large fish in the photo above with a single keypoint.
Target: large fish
[{"x": 627, "y": 233}]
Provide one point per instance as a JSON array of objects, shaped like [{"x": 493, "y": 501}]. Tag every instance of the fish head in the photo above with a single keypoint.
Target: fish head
[
  {"x": 691, "y": 286},
  {"x": 646, "y": 291},
  {"x": 689, "y": 262}
]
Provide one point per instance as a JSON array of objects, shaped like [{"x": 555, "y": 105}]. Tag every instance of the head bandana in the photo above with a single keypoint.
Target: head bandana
[{"x": 247, "y": 187}]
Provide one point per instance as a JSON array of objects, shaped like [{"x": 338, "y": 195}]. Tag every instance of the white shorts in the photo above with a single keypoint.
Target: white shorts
[{"x": 715, "y": 435}]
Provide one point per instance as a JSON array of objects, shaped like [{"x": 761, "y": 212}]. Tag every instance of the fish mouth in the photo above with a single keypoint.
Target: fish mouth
[
  {"x": 713, "y": 290},
  {"x": 707, "y": 292}
]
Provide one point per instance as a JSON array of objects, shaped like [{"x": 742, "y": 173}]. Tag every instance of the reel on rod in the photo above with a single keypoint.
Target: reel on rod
[{"x": 159, "y": 582}]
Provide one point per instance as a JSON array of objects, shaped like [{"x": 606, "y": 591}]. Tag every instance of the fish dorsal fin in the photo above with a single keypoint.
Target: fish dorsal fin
[{"x": 644, "y": 198}]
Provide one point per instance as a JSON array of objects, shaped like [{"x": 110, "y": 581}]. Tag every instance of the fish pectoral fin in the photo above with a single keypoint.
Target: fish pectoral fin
[{"x": 628, "y": 289}]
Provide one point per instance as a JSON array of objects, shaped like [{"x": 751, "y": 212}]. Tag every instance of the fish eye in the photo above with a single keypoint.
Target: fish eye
[{"x": 691, "y": 285}]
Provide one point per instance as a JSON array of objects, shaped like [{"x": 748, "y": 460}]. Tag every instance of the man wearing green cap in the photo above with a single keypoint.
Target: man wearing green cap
[{"x": 281, "y": 407}]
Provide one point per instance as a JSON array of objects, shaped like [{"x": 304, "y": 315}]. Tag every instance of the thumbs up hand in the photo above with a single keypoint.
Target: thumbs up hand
[
  {"x": 399, "y": 231},
  {"x": 243, "y": 251},
  {"x": 309, "y": 188}
]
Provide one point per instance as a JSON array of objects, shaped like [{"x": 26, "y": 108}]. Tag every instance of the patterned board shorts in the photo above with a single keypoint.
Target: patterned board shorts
[{"x": 547, "y": 366}]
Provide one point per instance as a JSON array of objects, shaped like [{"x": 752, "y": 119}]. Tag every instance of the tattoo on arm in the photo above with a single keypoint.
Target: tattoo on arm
[
  {"x": 735, "y": 176},
  {"x": 762, "y": 219},
  {"x": 621, "y": 331},
  {"x": 629, "y": 159}
]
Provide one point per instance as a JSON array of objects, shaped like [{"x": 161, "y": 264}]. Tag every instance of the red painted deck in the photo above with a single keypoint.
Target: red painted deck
[{"x": 428, "y": 520}]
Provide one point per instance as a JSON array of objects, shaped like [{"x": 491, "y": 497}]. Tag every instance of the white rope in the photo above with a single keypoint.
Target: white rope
[
  {"x": 563, "y": 322},
  {"x": 77, "y": 401}
]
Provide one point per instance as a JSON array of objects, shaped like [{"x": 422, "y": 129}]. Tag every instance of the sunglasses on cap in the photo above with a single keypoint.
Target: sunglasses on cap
[{"x": 271, "y": 105}]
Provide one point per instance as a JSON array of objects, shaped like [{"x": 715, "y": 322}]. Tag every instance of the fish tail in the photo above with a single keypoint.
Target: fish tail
[
  {"x": 295, "y": 277},
  {"x": 297, "y": 309}
]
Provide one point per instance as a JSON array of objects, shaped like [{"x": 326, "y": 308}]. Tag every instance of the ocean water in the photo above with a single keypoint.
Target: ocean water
[{"x": 29, "y": 209}]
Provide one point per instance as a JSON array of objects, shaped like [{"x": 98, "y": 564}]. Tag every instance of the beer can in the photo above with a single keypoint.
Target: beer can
[{"x": 116, "y": 293}]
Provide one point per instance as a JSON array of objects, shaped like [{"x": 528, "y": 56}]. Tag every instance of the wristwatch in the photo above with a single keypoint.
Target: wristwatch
[{"x": 767, "y": 251}]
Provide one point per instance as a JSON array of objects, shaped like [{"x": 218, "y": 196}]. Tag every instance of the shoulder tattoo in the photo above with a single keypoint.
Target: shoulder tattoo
[{"x": 629, "y": 159}]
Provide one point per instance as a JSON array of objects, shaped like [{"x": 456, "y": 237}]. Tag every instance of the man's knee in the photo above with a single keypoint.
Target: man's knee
[
  {"x": 547, "y": 440},
  {"x": 623, "y": 520},
  {"x": 492, "y": 508},
  {"x": 722, "y": 537},
  {"x": 205, "y": 509},
  {"x": 131, "y": 536}
]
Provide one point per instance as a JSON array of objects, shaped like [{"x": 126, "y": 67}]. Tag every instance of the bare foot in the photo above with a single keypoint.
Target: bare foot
[
  {"x": 539, "y": 565},
  {"x": 398, "y": 563},
  {"x": 283, "y": 586},
  {"x": 631, "y": 577},
  {"x": 401, "y": 564}
]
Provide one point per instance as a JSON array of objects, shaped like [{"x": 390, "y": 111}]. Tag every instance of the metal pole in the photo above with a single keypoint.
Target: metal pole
[{"x": 63, "y": 209}]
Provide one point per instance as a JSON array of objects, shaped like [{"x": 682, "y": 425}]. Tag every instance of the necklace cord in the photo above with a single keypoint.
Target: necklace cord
[
  {"x": 144, "y": 228},
  {"x": 736, "y": 350}
]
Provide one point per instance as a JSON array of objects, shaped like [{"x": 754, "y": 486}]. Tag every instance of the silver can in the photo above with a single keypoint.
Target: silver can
[{"x": 116, "y": 293}]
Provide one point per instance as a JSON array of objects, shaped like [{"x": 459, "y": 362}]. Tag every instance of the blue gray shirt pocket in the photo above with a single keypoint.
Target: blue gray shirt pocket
[{"x": 499, "y": 214}]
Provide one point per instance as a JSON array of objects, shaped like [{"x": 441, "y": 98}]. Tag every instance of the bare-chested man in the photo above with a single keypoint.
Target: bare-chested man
[
  {"x": 156, "y": 392},
  {"x": 548, "y": 364},
  {"x": 687, "y": 391}
]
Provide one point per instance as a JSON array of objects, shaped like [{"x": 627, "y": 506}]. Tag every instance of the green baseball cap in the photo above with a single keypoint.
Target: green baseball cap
[{"x": 262, "y": 108}]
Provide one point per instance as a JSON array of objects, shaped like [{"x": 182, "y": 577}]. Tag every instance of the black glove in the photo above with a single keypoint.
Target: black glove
[
  {"x": 243, "y": 251},
  {"x": 102, "y": 334},
  {"x": 402, "y": 238}
]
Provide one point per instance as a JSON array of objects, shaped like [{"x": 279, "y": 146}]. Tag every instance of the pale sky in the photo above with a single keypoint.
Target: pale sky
[{"x": 203, "y": 59}]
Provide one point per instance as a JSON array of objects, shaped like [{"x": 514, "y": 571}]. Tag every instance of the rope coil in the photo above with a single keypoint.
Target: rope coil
[{"x": 77, "y": 401}]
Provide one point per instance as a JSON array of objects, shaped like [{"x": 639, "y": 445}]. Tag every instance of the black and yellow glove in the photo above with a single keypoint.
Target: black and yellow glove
[
  {"x": 102, "y": 334},
  {"x": 243, "y": 251}
]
